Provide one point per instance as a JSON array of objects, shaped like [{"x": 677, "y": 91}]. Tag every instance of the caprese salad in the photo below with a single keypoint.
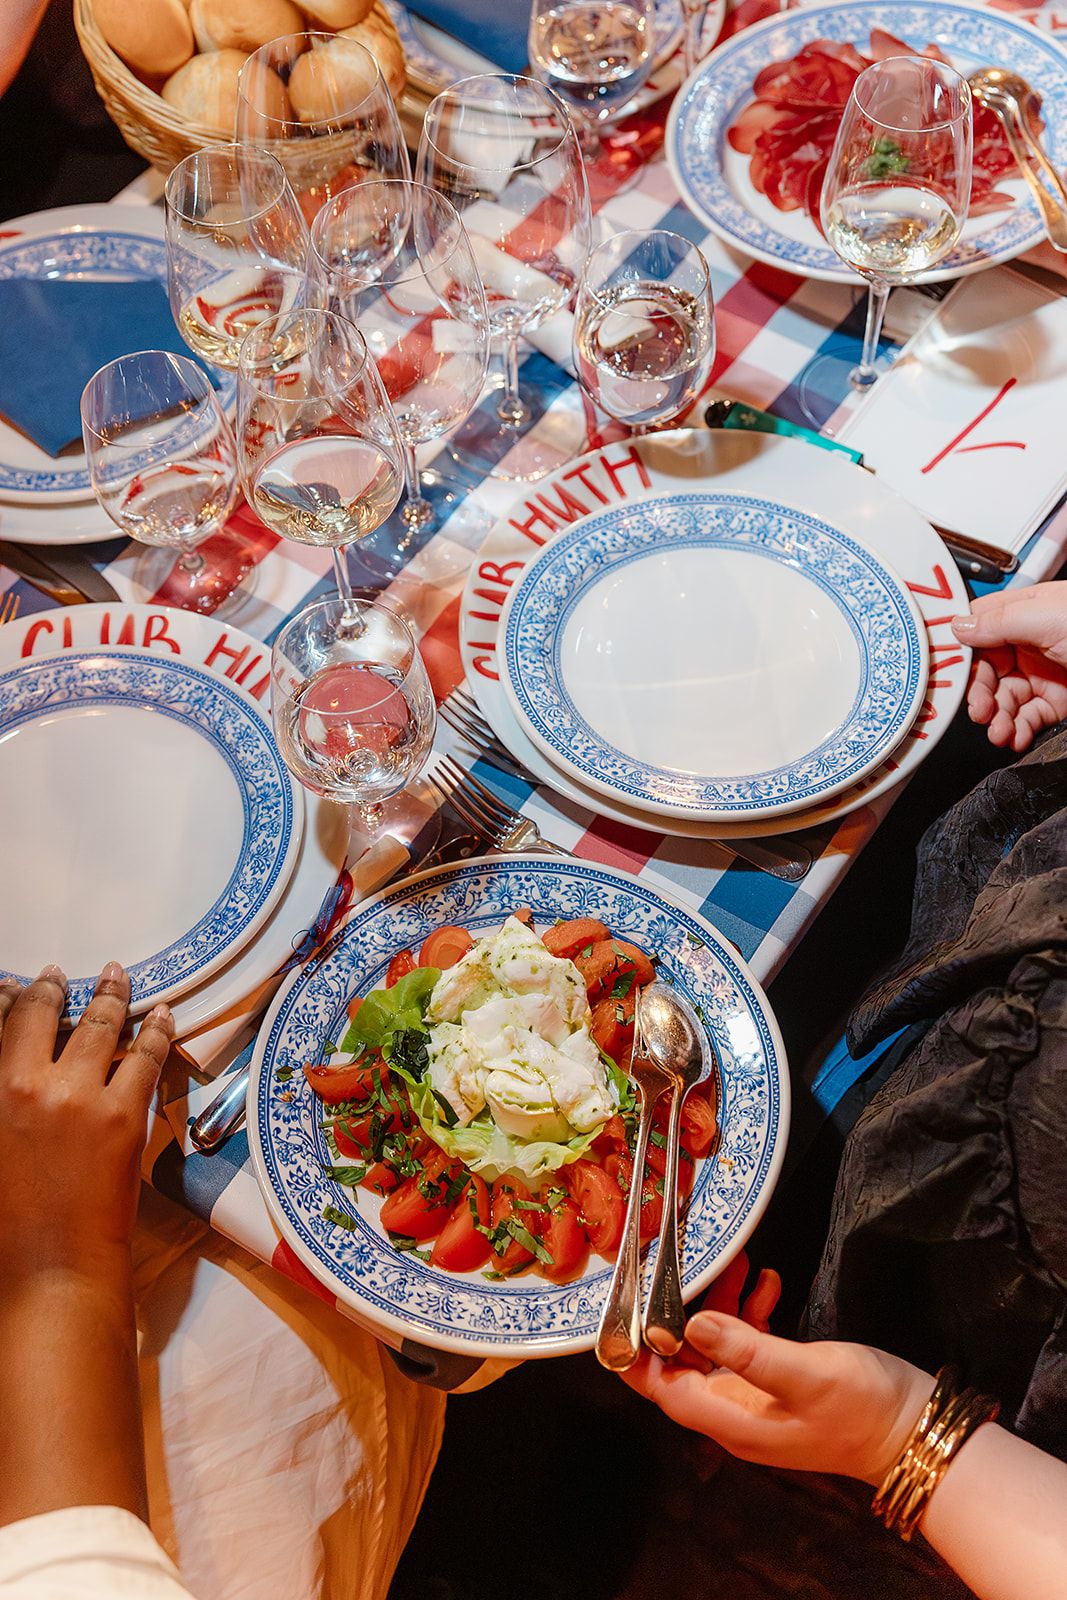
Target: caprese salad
[{"x": 483, "y": 1093}]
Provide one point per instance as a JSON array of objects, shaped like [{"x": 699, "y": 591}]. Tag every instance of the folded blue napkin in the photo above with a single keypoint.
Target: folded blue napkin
[
  {"x": 497, "y": 29},
  {"x": 55, "y": 334}
]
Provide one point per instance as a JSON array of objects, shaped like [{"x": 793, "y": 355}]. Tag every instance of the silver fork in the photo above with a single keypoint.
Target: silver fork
[
  {"x": 497, "y": 823},
  {"x": 462, "y": 715}
]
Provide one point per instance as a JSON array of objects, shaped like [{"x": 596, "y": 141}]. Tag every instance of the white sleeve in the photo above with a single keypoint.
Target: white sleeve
[{"x": 85, "y": 1553}]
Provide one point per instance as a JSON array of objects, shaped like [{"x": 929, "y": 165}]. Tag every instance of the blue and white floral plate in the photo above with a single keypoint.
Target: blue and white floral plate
[
  {"x": 714, "y": 179},
  {"x": 713, "y": 655},
  {"x": 434, "y": 60},
  {"x": 148, "y": 819},
  {"x": 76, "y": 242},
  {"x": 399, "y": 1296}
]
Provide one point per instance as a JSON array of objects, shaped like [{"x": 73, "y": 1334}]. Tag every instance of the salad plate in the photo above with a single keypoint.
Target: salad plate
[
  {"x": 435, "y": 60},
  {"x": 713, "y": 654},
  {"x": 234, "y": 657},
  {"x": 399, "y": 1295},
  {"x": 148, "y": 818},
  {"x": 100, "y": 243},
  {"x": 716, "y": 179},
  {"x": 630, "y": 472}
]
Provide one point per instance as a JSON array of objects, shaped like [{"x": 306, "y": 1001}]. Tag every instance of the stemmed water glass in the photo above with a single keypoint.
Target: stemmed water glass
[
  {"x": 352, "y": 707},
  {"x": 320, "y": 456},
  {"x": 236, "y": 246},
  {"x": 595, "y": 54},
  {"x": 394, "y": 258},
  {"x": 319, "y": 102},
  {"x": 644, "y": 327},
  {"x": 503, "y": 150},
  {"x": 898, "y": 182},
  {"x": 163, "y": 465}
]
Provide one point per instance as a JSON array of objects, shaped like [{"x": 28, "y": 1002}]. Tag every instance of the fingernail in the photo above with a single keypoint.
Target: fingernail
[
  {"x": 53, "y": 974},
  {"x": 114, "y": 972},
  {"x": 161, "y": 1014},
  {"x": 703, "y": 1329},
  {"x": 964, "y": 624}
]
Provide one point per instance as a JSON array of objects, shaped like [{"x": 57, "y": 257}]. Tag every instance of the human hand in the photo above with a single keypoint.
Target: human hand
[
  {"x": 841, "y": 1408},
  {"x": 72, "y": 1131},
  {"x": 1019, "y": 678}
]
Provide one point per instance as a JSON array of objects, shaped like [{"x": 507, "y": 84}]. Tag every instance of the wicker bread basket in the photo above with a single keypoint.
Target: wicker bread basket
[{"x": 147, "y": 123}]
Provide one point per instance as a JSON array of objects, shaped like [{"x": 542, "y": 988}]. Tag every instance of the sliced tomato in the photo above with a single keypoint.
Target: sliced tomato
[
  {"x": 525, "y": 915},
  {"x": 699, "y": 1123},
  {"x": 507, "y": 1192},
  {"x": 461, "y": 1246},
  {"x": 353, "y": 1134},
  {"x": 612, "y": 1026},
  {"x": 607, "y": 962},
  {"x": 560, "y": 1231},
  {"x": 444, "y": 947},
  {"x": 352, "y": 1082},
  {"x": 620, "y": 1167},
  {"x": 353, "y": 1006},
  {"x": 601, "y": 1206},
  {"x": 380, "y": 1178},
  {"x": 567, "y": 938},
  {"x": 611, "y": 1137},
  {"x": 402, "y": 963},
  {"x": 413, "y": 1215}
]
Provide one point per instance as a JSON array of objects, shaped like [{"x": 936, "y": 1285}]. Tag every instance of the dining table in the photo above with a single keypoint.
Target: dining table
[{"x": 771, "y": 325}]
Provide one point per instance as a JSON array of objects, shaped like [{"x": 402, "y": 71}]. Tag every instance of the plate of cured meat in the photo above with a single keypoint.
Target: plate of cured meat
[{"x": 750, "y": 133}]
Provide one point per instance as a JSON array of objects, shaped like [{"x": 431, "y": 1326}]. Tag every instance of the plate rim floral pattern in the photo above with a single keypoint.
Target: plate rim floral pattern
[
  {"x": 403, "y": 1298},
  {"x": 882, "y": 617},
  {"x": 708, "y": 102},
  {"x": 221, "y": 713}
]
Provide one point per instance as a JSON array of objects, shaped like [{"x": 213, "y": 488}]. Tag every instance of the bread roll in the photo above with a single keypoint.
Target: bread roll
[
  {"x": 337, "y": 14},
  {"x": 378, "y": 35},
  {"x": 327, "y": 82},
  {"x": 205, "y": 90},
  {"x": 242, "y": 24},
  {"x": 153, "y": 36}
]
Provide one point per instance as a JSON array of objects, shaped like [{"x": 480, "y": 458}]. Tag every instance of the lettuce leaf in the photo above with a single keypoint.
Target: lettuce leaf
[
  {"x": 485, "y": 1148},
  {"x": 384, "y": 1012}
]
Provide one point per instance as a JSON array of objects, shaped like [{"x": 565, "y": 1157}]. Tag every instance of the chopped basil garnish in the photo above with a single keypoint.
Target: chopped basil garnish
[
  {"x": 340, "y": 1219},
  {"x": 349, "y": 1176}
]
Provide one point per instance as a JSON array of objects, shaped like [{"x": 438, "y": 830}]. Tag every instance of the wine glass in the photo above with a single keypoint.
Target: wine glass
[
  {"x": 352, "y": 708},
  {"x": 694, "y": 13},
  {"x": 394, "y": 258},
  {"x": 320, "y": 103},
  {"x": 898, "y": 183},
  {"x": 644, "y": 327},
  {"x": 595, "y": 54},
  {"x": 320, "y": 456},
  {"x": 163, "y": 465},
  {"x": 236, "y": 246},
  {"x": 503, "y": 150}
]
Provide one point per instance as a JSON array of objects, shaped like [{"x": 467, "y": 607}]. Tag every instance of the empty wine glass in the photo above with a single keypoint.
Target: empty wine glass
[
  {"x": 352, "y": 707},
  {"x": 694, "y": 13},
  {"x": 236, "y": 246},
  {"x": 644, "y": 327},
  {"x": 394, "y": 258},
  {"x": 503, "y": 150},
  {"x": 163, "y": 465},
  {"x": 898, "y": 183},
  {"x": 595, "y": 54},
  {"x": 320, "y": 456},
  {"x": 319, "y": 102}
]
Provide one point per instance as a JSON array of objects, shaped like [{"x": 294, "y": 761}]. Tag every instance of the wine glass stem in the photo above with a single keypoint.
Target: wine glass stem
[
  {"x": 340, "y": 572},
  {"x": 191, "y": 561},
  {"x": 865, "y": 374},
  {"x": 694, "y": 28},
  {"x": 511, "y": 410},
  {"x": 416, "y": 512}
]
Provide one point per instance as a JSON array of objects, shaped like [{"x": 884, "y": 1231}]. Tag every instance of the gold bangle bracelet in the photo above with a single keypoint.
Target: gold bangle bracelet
[{"x": 947, "y": 1422}]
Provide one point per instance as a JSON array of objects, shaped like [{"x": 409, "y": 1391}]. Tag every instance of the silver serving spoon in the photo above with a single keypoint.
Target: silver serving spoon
[
  {"x": 618, "y": 1340},
  {"x": 676, "y": 1042},
  {"x": 1008, "y": 96}
]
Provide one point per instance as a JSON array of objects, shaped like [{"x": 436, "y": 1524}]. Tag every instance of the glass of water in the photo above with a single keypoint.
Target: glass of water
[
  {"x": 898, "y": 182},
  {"x": 352, "y": 707},
  {"x": 163, "y": 465},
  {"x": 595, "y": 54},
  {"x": 644, "y": 327}
]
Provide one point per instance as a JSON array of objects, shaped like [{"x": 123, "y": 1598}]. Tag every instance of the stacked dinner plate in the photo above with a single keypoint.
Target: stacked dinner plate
[
  {"x": 715, "y": 634},
  {"x": 46, "y": 500}
]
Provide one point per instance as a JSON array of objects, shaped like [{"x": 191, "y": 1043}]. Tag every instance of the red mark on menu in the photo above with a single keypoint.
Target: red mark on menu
[{"x": 1000, "y": 444}]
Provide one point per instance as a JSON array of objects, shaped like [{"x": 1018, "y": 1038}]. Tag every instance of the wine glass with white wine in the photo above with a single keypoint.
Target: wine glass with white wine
[
  {"x": 898, "y": 182},
  {"x": 320, "y": 454}
]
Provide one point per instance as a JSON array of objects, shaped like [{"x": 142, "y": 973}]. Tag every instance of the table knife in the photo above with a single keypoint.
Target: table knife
[{"x": 59, "y": 571}]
